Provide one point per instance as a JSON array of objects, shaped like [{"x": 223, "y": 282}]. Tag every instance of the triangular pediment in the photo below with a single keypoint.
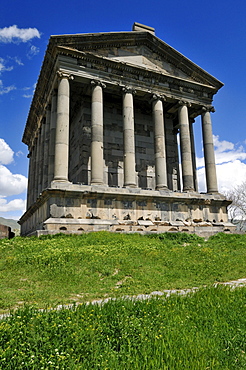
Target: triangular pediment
[
  {"x": 144, "y": 57},
  {"x": 141, "y": 49}
]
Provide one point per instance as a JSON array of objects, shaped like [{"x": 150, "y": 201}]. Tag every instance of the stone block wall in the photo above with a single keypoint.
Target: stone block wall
[
  {"x": 80, "y": 145},
  {"x": 5, "y": 232}
]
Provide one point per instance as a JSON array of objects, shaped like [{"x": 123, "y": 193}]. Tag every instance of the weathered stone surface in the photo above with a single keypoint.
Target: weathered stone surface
[
  {"x": 5, "y": 232},
  {"x": 108, "y": 157}
]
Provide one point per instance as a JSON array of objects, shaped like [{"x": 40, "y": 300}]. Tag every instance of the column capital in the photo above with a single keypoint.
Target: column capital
[
  {"x": 128, "y": 90},
  {"x": 184, "y": 102},
  {"x": 156, "y": 96},
  {"x": 98, "y": 83},
  {"x": 208, "y": 108},
  {"x": 61, "y": 75}
]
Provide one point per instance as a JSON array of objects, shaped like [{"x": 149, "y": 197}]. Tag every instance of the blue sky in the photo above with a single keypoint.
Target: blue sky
[{"x": 210, "y": 33}]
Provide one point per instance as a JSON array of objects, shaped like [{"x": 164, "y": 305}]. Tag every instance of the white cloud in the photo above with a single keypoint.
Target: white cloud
[
  {"x": 11, "y": 184},
  {"x": 6, "y": 153},
  {"x": 230, "y": 166},
  {"x": 18, "y": 61},
  {"x": 230, "y": 175},
  {"x": 19, "y": 153},
  {"x": 27, "y": 96},
  {"x": 13, "y": 205},
  {"x": 7, "y": 89},
  {"x": 30, "y": 95},
  {"x": 222, "y": 146},
  {"x": 34, "y": 50},
  {"x": 3, "y": 67},
  {"x": 15, "y": 34}
]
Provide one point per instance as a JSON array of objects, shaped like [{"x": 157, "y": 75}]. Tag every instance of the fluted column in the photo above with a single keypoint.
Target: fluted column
[
  {"x": 46, "y": 147},
  {"x": 185, "y": 148},
  {"x": 208, "y": 146},
  {"x": 52, "y": 134},
  {"x": 97, "y": 168},
  {"x": 128, "y": 138},
  {"x": 160, "y": 147},
  {"x": 62, "y": 128}
]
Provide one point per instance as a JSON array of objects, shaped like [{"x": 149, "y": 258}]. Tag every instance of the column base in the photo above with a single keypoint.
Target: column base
[
  {"x": 97, "y": 183},
  {"x": 189, "y": 191},
  {"x": 57, "y": 183},
  {"x": 129, "y": 186},
  {"x": 161, "y": 187},
  {"x": 60, "y": 180}
]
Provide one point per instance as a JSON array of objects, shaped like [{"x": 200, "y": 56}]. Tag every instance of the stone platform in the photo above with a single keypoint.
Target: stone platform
[{"x": 72, "y": 208}]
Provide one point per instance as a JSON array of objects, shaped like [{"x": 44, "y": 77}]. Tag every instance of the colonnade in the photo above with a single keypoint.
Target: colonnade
[{"x": 50, "y": 153}]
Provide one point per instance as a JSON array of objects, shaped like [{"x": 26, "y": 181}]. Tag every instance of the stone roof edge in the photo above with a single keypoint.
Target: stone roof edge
[
  {"x": 142, "y": 69},
  {"x": 158, "y": 45},
  {"x": 49, "y": 61}
]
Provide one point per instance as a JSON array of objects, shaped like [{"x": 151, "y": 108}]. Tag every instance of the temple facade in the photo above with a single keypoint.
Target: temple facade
[{"x": 102, "y": 138}]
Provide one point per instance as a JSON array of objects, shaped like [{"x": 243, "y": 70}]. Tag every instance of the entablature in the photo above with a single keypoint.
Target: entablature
[{"x": 85, "y": 66}]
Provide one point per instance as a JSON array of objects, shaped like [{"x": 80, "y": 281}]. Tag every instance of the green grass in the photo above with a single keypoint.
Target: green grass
[
  {"x": 199, "y": 331},
  {"x": 64, "y": 269},
  {"x": 205, "y": 330}
]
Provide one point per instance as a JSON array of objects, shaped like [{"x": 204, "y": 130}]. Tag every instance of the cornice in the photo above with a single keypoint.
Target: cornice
[
  {"x": 87, "y": 42},
  {"x": 138, "y": 70},
  {"x": 79, "y": 46}
]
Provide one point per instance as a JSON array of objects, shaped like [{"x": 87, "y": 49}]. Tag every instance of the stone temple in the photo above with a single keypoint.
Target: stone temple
[{"x": 102, "y": 137}]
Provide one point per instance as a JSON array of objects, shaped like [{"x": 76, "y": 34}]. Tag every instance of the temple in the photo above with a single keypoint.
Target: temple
[{"x": 102, "y": 137}]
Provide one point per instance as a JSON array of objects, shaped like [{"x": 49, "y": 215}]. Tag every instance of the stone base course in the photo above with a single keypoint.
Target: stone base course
[{"x": 70, "y": 208}]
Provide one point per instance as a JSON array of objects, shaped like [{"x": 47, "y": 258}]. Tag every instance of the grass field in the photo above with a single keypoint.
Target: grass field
[
  {"x": 205, "y": 330},
  {"x": 64, "y": 269}
]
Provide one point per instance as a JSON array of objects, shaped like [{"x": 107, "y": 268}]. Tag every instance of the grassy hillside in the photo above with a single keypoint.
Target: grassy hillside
[
  {"x": 199, "y": 331},
  {"x": 203, "y": 331},
  {"x": 64, "y": 269}
]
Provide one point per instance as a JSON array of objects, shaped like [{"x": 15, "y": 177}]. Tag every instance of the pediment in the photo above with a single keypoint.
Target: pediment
[
  {"x": 143, "y": 57},
  {"x": 141, "y": 49}
]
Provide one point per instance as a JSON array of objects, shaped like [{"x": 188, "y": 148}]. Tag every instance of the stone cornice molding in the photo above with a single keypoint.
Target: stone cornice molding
[
  {"x": 85, "y": 42},
  {"x": 83, "y": 49},
  {"x": 189, "y": 85}
]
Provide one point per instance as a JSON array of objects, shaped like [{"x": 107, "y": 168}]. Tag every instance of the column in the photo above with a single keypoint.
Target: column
[
  {"x": 30, "y": 179},
  {"x": 62, "y": 128},
  {"x": 52, "y": 135},
  {"x": 97, "y": 167},
  {"x": 38, "y": 165},
  {"x": 41, "y": 157},
  {"x": 128, "y": 138},
  {"x": 208, "y": 146},
  {"x": 185, "y": 148},
  {"x": 46, "y": 148},
  {"x": 193, "y": 154},
  {"x": 160, "y": 149},
  {"x": 35, "y": 170}
]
